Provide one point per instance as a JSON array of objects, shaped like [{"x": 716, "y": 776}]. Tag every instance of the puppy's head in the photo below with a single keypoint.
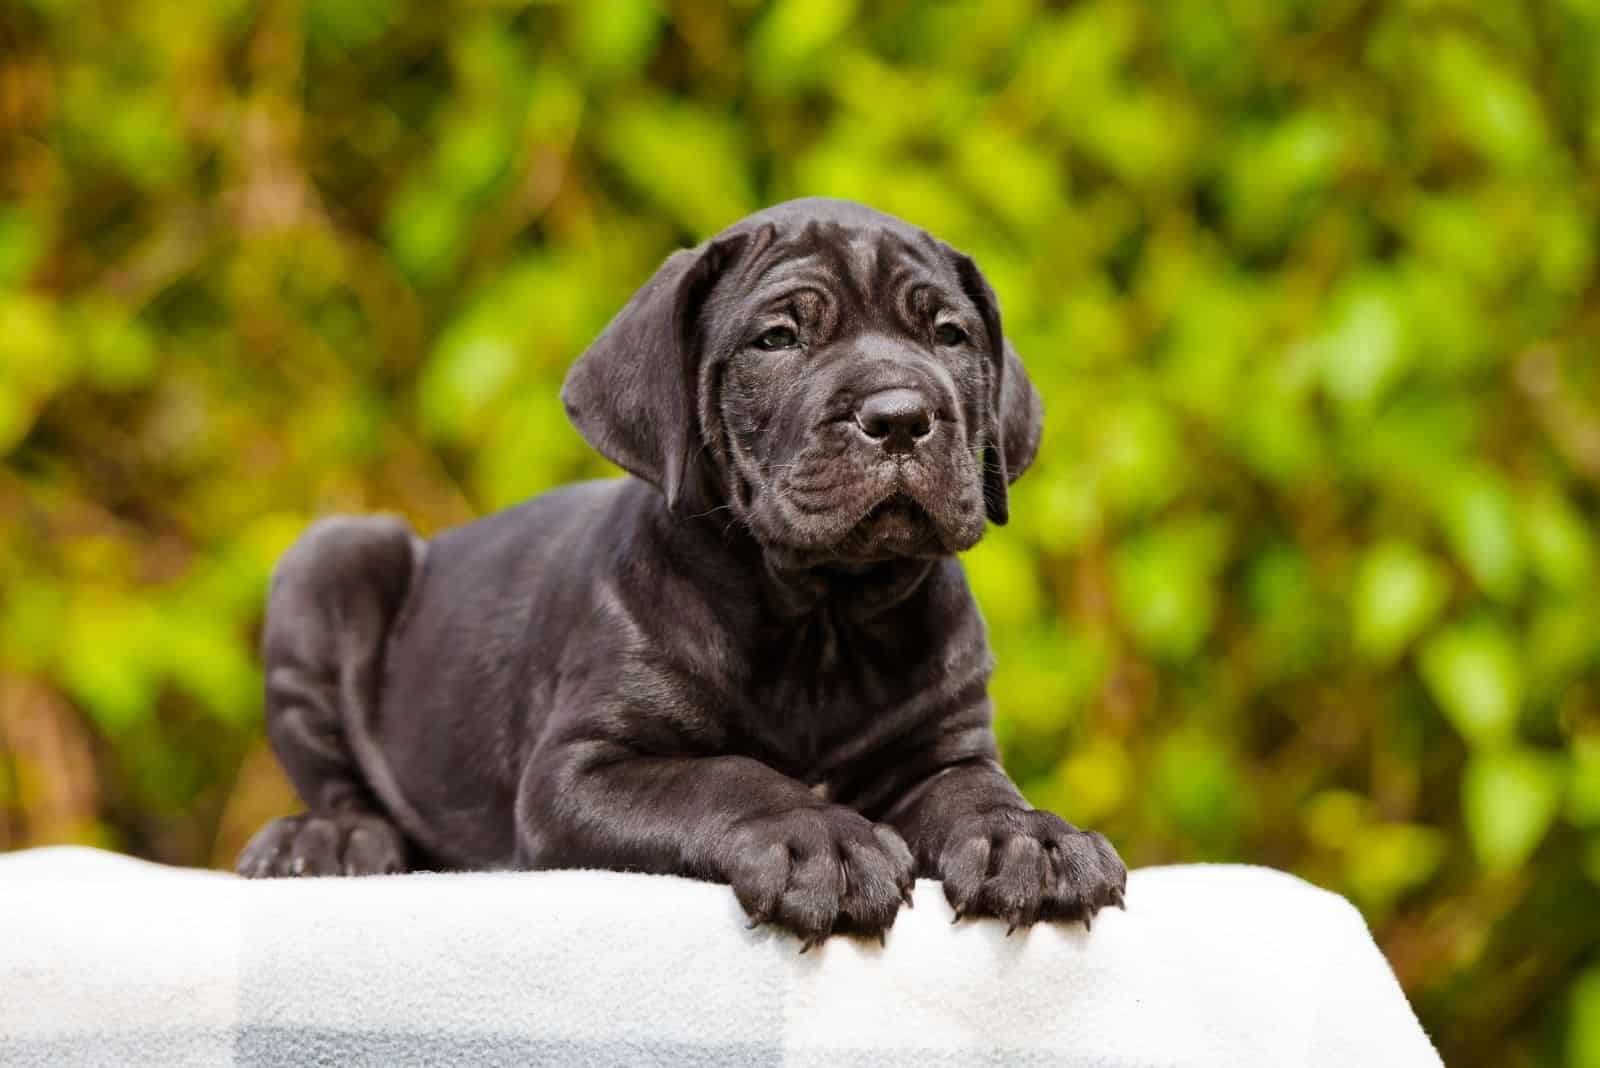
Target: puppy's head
[{"x": 836, "y": 377}]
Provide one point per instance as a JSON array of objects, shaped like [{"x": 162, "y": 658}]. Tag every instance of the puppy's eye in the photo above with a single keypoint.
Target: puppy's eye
[
  {"x": 779, "y": 337},
  {"x": 949, "y": 334}
]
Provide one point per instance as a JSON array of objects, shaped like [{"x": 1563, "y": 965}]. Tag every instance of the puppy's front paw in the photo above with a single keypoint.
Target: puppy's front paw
[
  {"x": 819, "y": 871},
  {"x": 1022, "y": 865},
  {"x": 323, "y": 845}
]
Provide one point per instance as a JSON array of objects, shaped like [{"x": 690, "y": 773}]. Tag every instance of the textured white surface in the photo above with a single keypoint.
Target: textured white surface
[{"x": 107, "y": 960}]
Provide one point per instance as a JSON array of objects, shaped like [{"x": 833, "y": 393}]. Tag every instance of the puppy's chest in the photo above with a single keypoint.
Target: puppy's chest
[{"x": 822, "y": 693}]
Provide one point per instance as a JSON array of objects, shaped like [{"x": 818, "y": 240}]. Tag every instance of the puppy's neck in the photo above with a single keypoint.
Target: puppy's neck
[
  {"x": 791, "y": 586},
  {"x": 858, "y": 592}
]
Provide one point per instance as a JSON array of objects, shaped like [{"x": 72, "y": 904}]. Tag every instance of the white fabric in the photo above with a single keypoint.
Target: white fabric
[{"x": 107, "y": 960}]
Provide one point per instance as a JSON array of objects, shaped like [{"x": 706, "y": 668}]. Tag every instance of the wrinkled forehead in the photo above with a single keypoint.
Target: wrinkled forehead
[{"x": 863, "y": 266}]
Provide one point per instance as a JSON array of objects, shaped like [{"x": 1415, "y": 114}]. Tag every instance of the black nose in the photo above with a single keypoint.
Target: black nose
[{"x": 896, "y": 418}]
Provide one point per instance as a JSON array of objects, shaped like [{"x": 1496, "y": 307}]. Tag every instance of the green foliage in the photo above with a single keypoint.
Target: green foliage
[{"x": 1306, "y": 573}]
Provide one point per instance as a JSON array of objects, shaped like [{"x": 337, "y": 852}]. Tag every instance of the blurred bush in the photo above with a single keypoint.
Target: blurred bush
[{"x": 1307, "y": 573}]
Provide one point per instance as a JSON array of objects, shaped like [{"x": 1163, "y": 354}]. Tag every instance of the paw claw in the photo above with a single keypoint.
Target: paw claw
[
  {"x": 1022, "y": 865},
  {"x": 814, "y": 871},
  {"x": 335, "y": 844}
]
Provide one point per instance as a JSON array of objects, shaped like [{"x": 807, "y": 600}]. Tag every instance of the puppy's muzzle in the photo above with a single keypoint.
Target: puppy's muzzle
[{"x": 896, "y": 420}]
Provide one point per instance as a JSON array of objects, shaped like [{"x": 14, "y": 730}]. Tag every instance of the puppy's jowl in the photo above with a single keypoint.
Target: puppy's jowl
[{"x": 755, "y": 662}]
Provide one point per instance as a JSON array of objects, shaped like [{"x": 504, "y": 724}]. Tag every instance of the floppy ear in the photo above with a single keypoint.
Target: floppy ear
[
  {"x": 632, "y": 393},
  {"x": 1015, "y": 415}
]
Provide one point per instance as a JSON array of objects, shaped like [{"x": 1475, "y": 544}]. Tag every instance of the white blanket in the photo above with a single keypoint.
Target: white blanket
[{"x": 111, "y": 961}]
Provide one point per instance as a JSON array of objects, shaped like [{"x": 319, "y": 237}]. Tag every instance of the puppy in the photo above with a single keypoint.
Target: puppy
[{"x": 756, "y": 661}]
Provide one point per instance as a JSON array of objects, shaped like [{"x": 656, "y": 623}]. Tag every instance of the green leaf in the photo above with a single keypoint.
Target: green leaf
[
  {"x": 1399, "y": 590},
  {"x": 426, "y": 228},
  {"x": 110, "y": 658},
  {"x": 1386, "y": 860},
  {"x": 22, "y": 241},
  {"x": 1045, "y": 676},
  {"x": 1583, "y": 1034},
  {"x": 687, "y": 159},
  {"x": 1481, "y": 523},
  {"x": 211, "y": 665},
  {"x": 33, "y": 620},
  {"x": 1138, "y": 455},
  {"x": 1561, "y": 643},
  {"x": 1333, "y": 817},
  {"x": 1473, "y": 671},
  {"x": 525, "y": 448},
  {"x": 463, "y": 377},
  {"x": 1274, "y": 170},
  {"x": 1364, "y": 349},
  {"x": 1164, "y": 581},
  {"x": 793, "y": 33},
  {"x": 1289, "y": 609},
  {"x": 1583, "y": 798},
  {"x": 614, "y": 37},
  {"x": 1591, "y": 859},
  {"x": 471, "y": 155},
  {"x": 1509, "y": 798},
  {"x": 1005, "y": 581},
  {"x": 1559, "y": 541},
  {"x": 119, "y": 353},
  {"x": 1094, "y": 781},
  {"x": 1058, "y": 506},
  {"x": 1495, "y": 111},
  {"x": 346, "y": 25},
  {"x": 1201, "y": 786},
  {"x": 1277, "y": 434}
]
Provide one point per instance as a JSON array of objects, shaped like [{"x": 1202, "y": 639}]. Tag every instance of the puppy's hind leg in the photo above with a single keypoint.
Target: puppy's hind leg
[{"x": 335, "y": 596}]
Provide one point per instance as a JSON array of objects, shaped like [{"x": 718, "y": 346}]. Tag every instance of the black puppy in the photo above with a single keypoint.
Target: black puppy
[{"x": 757, "y": 662}]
